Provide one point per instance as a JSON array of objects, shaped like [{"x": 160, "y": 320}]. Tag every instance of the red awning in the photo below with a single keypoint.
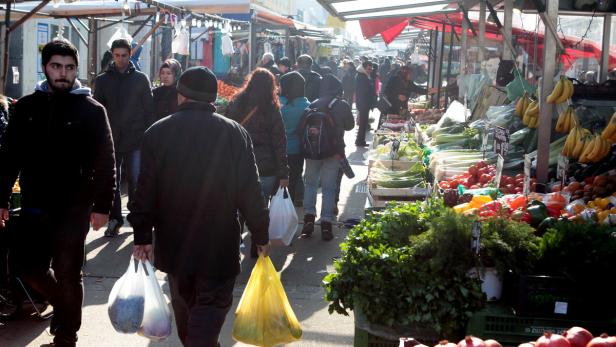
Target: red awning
[{"x": 525, "y": 38}]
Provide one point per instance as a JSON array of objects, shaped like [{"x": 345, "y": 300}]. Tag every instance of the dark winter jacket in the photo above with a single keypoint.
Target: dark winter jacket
[
  {"x": 266, "y": 130},
  {"x": 197, "y": 171},
  {"x": 128, "y": 99},
  {"x": 271, "y": 67},
  {"x": 165, "y": 101},
  {"x": 61, "y": 147},
  {"x": 331, "y": 89},
  {"x": 348, "y": 81},
  {"x": 313, "y": 83},
  {"x": 399, "y": 86},
  {"x": 365, "y": 92}
]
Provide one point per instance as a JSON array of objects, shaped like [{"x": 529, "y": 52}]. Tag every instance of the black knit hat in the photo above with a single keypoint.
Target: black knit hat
[
  {"x": 198, "y": 83},
  {"x": 292, "y": 85}
]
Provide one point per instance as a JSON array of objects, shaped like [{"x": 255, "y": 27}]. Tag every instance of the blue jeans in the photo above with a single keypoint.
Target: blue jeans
[
  {"x": 133, "y": 162},
  {"x": 324, "y": 171},
  {"x": 268, "y": 184}
]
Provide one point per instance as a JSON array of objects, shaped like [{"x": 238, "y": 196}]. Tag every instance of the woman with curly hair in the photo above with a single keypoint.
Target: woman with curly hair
[{"x": 257, "y": 109}]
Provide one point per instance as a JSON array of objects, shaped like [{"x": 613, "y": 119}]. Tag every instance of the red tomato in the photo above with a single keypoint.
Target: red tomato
[
  {"x": 454, "y": 184},
  {"x": 481, "y": 164},
  {"x": 472, "y": 180},
  {"x": 473, "y": 170},
  {"x": 443, "y": 184},
  {"x": 518, "y": 190},
  {"x": 474, "y": 186},
  {"x": 519, "y": 177},
  {"x": 485, "y": 178}
]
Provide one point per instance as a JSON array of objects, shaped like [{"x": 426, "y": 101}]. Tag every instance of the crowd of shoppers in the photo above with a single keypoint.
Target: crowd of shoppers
[{"x": 194, "y": 177}]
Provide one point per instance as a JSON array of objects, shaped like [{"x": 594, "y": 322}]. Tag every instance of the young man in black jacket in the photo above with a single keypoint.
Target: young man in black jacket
[
  {"x": 126, "y": 94},
  {"x": 59, "y": 144},
  {"x": 326, "y": 171},
  {"x": 198, "y": 170}
]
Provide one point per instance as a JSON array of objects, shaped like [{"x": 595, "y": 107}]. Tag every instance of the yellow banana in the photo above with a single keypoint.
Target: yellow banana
[
  {"x": 519, "y": 107},
  {"x": 566, "y": 92},
  {"x": 556, "y": 92},
  {"x": 579, "y": 147},
  {"x": 597, "y": 148},
  {"x": 569, "y": 144},
  {"x": 589, "y": 147},
  {"x": 527, "y": 101},
  {"x": 560, "y": 123}
]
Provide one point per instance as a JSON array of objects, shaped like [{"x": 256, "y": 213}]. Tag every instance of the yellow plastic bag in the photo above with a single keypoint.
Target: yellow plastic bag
[{"x": 264, "y": 316}]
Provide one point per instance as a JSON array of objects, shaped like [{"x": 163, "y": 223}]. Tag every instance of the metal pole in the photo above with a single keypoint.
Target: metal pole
[
  {"x": 605, "y": 50},
  {"x": 507, "y": 54},
  {"x": 153, "y": 55},
  {"x": 430, "y": 58},
  {"x": 482, "y": 30},
  {"x": 92, "y": 50},
  {"x": 463, "y": 44},
  {"x": 21, "y": 20},
  {"x": 449, "y": 65},
  {"x": 6, "y": 35},
  {"x": 81, "y": 37},
  {"x": 252, "y": 43},
  {"x": 547, "y": 84},
  {"x": 434, "y": 48},
  {"x": 440, "y": 68}
]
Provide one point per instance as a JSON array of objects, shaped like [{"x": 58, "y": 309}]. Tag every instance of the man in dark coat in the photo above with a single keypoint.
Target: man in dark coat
[
  {"x": 400, "y": 88},
  {"x": 267, "y": 62},
  {"x": 197, "y": 171},
  {"x": 59, "y": 144},
  {"x": 126, "y": 94},
  {"x": 348, "y": 82},
  {"x": 313, "y": 79},
  {"x": 365, "y": 99}
]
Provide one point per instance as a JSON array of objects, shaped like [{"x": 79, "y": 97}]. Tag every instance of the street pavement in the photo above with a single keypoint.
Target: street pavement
[{"x": 302, "y": 265}]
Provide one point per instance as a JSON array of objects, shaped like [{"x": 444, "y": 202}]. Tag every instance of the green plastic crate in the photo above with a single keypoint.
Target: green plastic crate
[
  {"x": 501, "y": 324},
  {"x": 365, "y": 339}
]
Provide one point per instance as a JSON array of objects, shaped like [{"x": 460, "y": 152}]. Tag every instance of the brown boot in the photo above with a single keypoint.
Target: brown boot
[
  {"x": 308, "y": 228},
  {"x": 327, "y": 233}
]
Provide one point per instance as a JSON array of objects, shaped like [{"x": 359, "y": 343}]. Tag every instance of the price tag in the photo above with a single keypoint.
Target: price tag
[
  {"x": 561, "y": 307},
  {"x": 418, "y": 137},
  {"x": 562, "y": 169},
  {"x": 475, "y": 237},
  {"x": 501, "y": 141},
  {"x": 484, "y": 143},
  {"x": 528, "y": 162},
  {"x": 500, "y": 162},
  {"x": 395, "y": 146}
]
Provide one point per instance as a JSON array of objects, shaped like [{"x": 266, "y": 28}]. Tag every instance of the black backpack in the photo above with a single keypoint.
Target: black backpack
[{"x": 318, "y": 133}]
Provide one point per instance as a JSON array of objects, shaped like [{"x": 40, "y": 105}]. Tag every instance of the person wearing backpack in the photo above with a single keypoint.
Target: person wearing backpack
[{"x": 321, "y": 131}]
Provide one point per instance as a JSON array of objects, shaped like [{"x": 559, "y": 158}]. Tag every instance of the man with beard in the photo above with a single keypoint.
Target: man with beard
[
  {"x": 59, "y": 143},
  {"x": 126, "y": 94}
]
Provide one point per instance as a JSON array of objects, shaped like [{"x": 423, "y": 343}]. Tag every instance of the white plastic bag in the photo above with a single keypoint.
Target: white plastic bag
[
  {"x": 126, "y": 300},
  {"x": 181, "y": 42},
  {"x": 120, "y": 33},
  {"x": 156, "y": 323},
  {"x": 283, "y": 218}
]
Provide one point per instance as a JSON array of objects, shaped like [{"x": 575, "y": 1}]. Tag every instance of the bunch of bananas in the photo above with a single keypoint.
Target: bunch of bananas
[
  {"x": 609, "y": 133},
  {"x": 531, "y": 115},
  {"x": 567, "y": 120},
  {"x": 562, "y": 91},
  {"x": 584, "y": 147},
  {"x": 597, "y": 149},
  {"x": 522, "y": 105}
]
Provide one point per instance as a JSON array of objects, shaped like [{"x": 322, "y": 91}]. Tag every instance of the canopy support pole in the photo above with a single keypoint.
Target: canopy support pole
[
  {"x": 463, "y": 47},
  {"x": 81, "y": 37},
  {"x": 92, "y": 50},
  {"x": 5, "y": 38},
  {"x": 507, "y": 54},
  {"x": 547, "y": 84},
  {"x": 153, "y": 55},
  {"x": 605, "y": 49},
  {"x": 450, "y": 55},
  {"x": 482, "y": 31},
  {"x": 439, "y": 86}
]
